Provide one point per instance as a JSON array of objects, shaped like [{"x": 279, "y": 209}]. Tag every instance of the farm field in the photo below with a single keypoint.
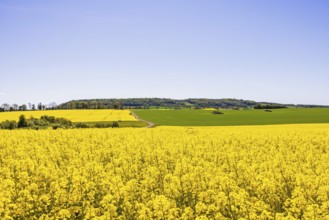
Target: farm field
[
  {"x": 74, "y": 115},
  {"x": 232, "y": 172},
  {"x": 190, "y": 117}
]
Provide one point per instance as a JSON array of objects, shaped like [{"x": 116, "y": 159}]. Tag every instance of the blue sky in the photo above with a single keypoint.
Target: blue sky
[{"x": 274, "y": 50}]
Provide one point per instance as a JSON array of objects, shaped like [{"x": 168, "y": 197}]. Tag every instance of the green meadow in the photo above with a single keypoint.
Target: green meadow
[{"x": 193, "y": 117}]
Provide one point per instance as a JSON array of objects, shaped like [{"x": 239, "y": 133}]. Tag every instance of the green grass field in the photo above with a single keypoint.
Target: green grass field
[{"x": 190, "y": 117}]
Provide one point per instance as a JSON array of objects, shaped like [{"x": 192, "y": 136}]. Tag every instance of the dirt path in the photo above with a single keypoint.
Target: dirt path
[{"x": 149, "y": 124}]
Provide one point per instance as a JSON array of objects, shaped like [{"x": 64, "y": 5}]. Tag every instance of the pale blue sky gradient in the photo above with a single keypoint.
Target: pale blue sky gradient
[{"x": 273, "y": 50}]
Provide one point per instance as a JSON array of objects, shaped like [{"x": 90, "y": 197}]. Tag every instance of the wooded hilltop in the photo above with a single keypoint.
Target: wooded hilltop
[{"x": 145, "y": 103}]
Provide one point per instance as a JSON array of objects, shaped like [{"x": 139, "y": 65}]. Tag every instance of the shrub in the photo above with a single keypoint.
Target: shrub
[
  {"x": 30, "y": 124},
  {"x": 216, "y": 112},
  {"x": 9, "y": 125},
  {"x": 56, "y": 126},
  {"x": 50, "y": 119},
  {"x": 81, "y": 125},
  {"x": 22, "y": 123},
  {"x": 115, "y": 124},
  {"x": 63, "y": 121},
  {"x": 103, "y": 125}
]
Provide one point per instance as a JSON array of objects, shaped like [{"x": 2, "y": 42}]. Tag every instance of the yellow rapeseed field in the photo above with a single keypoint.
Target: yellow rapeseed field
[
  {"x": 74, "y": 115},
  {"x": 252, "y": 172}
]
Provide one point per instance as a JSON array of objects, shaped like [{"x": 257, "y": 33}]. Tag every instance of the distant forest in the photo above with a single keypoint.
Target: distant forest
[{"x": 146, "y": 103}]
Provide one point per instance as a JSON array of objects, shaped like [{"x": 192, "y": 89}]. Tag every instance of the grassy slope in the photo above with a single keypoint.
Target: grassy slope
[{"x": 187, "y": 117}]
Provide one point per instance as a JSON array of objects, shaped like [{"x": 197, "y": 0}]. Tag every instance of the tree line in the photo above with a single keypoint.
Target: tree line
[
  {"x": 196, "y": 103},
  {"x": 25, "y": 107},
  {"x": 269, "y": 106},
  {"x": 145, "y": 103}
]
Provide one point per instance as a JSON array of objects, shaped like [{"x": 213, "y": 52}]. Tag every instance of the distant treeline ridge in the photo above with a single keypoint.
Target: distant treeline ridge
[{"x": 145, "y": 103}]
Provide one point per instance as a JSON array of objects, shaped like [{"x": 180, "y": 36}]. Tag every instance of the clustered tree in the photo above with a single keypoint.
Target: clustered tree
[
  {"x": 269, "y": 106},
  {"x": 51, "y": 121},
  {"x": 35, "y": 123},
  {"x": 22, "y": 123}
]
